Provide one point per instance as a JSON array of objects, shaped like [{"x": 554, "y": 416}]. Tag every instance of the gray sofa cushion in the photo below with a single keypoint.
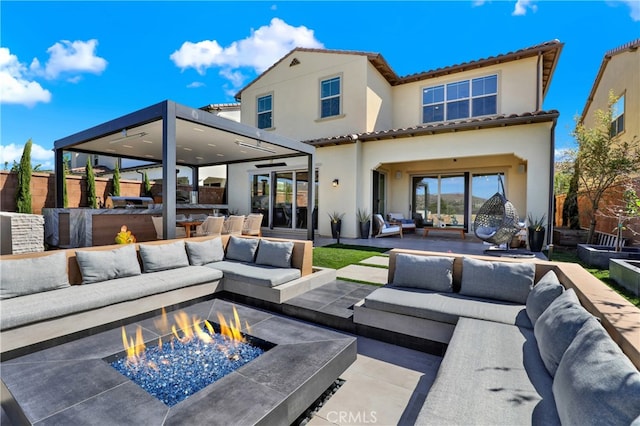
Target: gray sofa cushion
[
  {"x": 262, "y": 275},
  {"x": 595, "y": 381},
  {"x": 445, "y": 307},
  {"x": 426, "y": 272},
  {"x": 203, "y": 252},
  {"x": 78, "y": 298},
  {"x": 544, "y": 292},
  {"x": 497, "y": 280},
  {"x": 558, "y": 325},
  {"x": 33, "y": 275},
  {"x": 491, "y": 374},
  {"x": 242, "y": 249},
  {"x": 275, "y": 253},
  {"x": 163, "y": 256},
  {"x": 103, "y": 265}
]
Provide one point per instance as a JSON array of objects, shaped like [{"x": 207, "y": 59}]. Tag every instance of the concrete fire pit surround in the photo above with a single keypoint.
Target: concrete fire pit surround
[{"x": 72, "y": 384}]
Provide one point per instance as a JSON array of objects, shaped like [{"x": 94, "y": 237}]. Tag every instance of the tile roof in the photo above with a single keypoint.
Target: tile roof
[
  {"x": 549, "y": 51},
  {"x": 499, "y": 120}
]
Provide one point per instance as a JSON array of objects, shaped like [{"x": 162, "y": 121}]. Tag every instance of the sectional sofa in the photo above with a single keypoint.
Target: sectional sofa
[
  {"x": 47, "y": 296},
  {"x": 521, "y": 348}
]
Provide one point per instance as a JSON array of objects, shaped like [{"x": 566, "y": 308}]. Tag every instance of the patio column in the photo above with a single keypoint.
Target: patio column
[
  {"x": 310, "y": 195},
  {"x": 59, "y": 171},
  {"x": 169, "y": 179}
]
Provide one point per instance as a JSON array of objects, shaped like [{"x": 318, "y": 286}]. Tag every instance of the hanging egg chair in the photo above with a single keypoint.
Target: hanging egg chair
[{"x": 497, "y": 220}]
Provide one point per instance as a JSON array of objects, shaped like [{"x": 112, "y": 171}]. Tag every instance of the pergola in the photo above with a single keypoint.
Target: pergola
[{"x": 172, "y": 134}]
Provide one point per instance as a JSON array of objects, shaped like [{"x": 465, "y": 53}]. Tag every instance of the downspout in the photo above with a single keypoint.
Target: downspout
[
  {"x": 538, "y": 88},
  {"x": 552, "y": 198}
]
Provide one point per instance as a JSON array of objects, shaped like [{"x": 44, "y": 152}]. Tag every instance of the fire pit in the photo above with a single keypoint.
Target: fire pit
[
  {"x": 189, "y": 359},
  {"x": 72, "y": 384}
]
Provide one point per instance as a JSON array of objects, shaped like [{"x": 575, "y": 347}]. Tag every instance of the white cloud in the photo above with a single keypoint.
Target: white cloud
[
  {"x": 195, "y": 85},
  {"x": 634, "y": 5},
  {"x": 259, "y": 51},
  {"x": 564, "y": 154},
  {"x": 39, "y": 155},
  {"x": 522, "y": 6},
  {"x": 15, "y": 86},
  {"x": 72, "y": 57}
]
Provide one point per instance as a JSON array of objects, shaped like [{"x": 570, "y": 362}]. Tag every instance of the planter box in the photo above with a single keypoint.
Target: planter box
[
  {"x": 626, "y": 273},
  {"x": 569, "y": 237},
  {"x": 598, "y": 256}
]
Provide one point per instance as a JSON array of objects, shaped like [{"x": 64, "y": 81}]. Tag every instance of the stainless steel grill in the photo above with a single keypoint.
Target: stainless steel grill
[{"x": 128, "y": 202}]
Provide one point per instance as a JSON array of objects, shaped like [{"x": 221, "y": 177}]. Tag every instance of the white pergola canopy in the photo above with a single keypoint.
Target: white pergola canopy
[{"x": 172, "y": 134}]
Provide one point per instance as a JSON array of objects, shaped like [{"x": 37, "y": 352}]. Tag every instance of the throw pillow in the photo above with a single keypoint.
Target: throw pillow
[
  {"x": 556, "y": 328},
  {"x": 203, "y": 252},
  {"x": 426, "y": 272},
  {"x": 543, "y": 293},
  {"x": 595, "y": 381},
  {"x": 242, "y": 249},
  {"x": 103, "y": 265},
  {"x": 275, "y": 253},
  {"x": 19, "y": 277},
  {"x": 163, "y": 256},
  {"x": 506, "y": 281}
]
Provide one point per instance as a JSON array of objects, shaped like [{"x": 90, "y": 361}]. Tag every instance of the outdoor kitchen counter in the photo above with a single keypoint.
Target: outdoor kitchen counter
[{"x": 83, "y": 227}]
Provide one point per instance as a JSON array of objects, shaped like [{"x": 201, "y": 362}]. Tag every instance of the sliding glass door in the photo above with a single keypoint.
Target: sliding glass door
[
  {"x": 287, "y": 205},
  {"x": 441, "y": 199}
]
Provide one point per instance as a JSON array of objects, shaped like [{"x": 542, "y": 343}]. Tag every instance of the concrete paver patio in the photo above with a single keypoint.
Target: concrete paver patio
[{"x": 386, "y": 385}]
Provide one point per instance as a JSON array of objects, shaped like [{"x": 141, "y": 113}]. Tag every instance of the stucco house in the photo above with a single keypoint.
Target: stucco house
[
  {"x": 619, "y": 73},
  {"x": 432, "y": 143}
]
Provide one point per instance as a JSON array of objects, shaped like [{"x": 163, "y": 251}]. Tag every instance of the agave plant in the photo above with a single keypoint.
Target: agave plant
[
  {"x": 336, "y": 217},
  {"x": 535, "y": 222}
]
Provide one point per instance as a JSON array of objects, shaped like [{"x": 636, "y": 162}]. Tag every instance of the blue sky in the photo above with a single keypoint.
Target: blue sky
[{"x": 68, "y": 66}]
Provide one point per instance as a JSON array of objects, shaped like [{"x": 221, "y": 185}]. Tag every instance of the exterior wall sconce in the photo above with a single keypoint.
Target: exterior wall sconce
[{"x": 335, "y": 183}]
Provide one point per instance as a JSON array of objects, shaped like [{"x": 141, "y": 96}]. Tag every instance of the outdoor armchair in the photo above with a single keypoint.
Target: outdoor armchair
[{"x": 384, "y": 229}]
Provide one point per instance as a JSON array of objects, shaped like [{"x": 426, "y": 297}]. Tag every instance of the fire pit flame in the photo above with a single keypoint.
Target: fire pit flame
[
  {"x": 184, "y": 330},
  {"x": 192, "y": 356}
]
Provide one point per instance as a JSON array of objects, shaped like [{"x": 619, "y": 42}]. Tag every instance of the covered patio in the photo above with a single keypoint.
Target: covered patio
[{"x": 172, "y": 134}]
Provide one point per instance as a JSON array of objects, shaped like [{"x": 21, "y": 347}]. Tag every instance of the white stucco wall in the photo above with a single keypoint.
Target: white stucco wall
[
  {"x": 379, "y": 101},
  {"x": 296, "y": 95},
  {"x": 516, "y": 91}
]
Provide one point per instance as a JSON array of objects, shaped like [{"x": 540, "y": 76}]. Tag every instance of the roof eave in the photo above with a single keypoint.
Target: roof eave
[{"x": 474, "y": 124}]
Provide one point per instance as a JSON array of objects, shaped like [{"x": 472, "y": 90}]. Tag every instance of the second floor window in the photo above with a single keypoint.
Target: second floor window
[
  {"x": 265, "y": 112},
  {"x": 461, "y": 99},
  {"x": 617, "y": 117},
  {"x": 330, "y": 97}
]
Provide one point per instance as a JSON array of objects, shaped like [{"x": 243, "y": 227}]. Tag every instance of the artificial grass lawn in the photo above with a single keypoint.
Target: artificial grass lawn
[
  {"x": 570, "y": 255},
  {"x": 338, "y": 256}
]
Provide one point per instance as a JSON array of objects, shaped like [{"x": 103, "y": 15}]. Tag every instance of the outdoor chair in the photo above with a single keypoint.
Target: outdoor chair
[
  {"x": 253, "y": 225},
  {"x": 157, "y": 223},
  {"x": 497, "y": 220},
  {"x": 399, "y": 219},
  {"x": 212, "y": 225},
  {"x": 233, "y": 225},
  {"x": 384, "y": 229}
]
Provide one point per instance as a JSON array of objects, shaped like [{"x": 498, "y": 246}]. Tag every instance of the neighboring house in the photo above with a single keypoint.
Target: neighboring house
[
  {"x": 432, "y": 142},
  {"x": 619, "y": 73}
]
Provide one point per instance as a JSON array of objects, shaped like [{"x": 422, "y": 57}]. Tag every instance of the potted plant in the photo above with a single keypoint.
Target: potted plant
[
  {"x": 364, "y": 219},
  {"x": 336, "y": 223},
  {"x": 536, "y": 230}
]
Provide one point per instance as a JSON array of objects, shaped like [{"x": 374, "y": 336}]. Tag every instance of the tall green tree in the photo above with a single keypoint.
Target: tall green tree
[
  {"x": 570, "y": 212},
  {"x": 116, "y": 180},
  {"x": 23, "y": 192},
  {"x": 65, "y": 195},
  {"x": 147, "y": 185},
  {"x": 604, "y": 161},
  {"x": 92, "y": 201}
]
